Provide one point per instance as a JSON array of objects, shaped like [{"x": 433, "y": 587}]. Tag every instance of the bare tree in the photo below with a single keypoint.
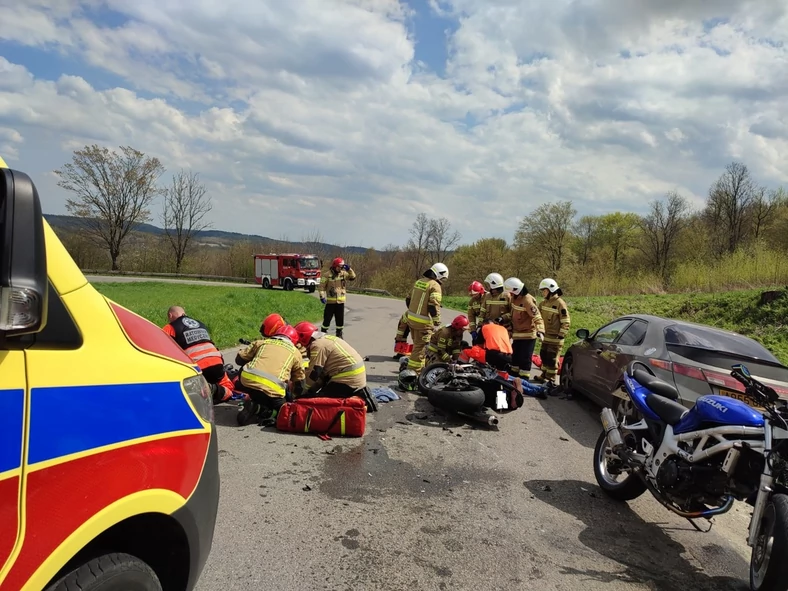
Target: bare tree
[
  {"x": 113, "y": 192},
  {"x": 660, "y": 229},
  {"x": 442, "y": 239},
  {"x": 314, "y": 243},
  {"x": 186, "y": 204},
  {"x": 420, "y": 242},
  {"x": 763, "y": 209},
  {"x": 729, "y": 206},
  {"x": 587, "y": 231},
  {"x": 548, "y": 226}
]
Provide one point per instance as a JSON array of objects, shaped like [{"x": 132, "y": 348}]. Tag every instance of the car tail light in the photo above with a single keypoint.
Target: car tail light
[{"x": 704, "y": 375}]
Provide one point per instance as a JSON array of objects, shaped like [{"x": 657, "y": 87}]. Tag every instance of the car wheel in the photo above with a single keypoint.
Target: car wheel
[
  {"x": 567, "y": 376},
  {"x": 110, "y": 572}
]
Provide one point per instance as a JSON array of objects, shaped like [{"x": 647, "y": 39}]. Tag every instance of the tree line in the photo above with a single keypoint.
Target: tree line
[{"x": 737, "y": 239}]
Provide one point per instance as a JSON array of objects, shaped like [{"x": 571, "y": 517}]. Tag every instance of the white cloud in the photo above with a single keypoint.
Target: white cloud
[{"x": 315, "y": 113}]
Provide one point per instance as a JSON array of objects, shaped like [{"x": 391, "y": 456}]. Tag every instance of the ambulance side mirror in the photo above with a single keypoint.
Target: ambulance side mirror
[{"x": 23, "y": 259}]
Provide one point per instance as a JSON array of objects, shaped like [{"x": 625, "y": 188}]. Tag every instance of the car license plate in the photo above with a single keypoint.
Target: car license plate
[{"x": 741, "y": 397}]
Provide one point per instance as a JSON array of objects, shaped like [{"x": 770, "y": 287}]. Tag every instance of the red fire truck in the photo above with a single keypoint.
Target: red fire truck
[{"x": 287, "y": 271}]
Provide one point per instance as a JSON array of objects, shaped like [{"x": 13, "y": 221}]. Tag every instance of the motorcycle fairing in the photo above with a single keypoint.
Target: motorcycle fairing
[{"x": 719, "y": 410}]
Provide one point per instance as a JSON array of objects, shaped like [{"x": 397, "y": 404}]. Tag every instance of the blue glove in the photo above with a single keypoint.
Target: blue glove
[
  {"x": 346, "y": 267},
  {"x": 322, "y": 300},
  {"x": 473, "y": 335}
]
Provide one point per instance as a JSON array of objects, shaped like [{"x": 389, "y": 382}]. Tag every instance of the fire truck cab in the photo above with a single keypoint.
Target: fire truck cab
[{"x": 287, "y": 271}]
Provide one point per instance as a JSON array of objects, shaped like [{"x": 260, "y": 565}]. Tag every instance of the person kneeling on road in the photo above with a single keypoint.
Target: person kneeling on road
[
  {"x": 495, "y": 339},
  {"x": 271, "y": 324},
  {"x": 445, "y": 344},
  {"x": 336, "y": 370},
  {"x": 193, "y": 337},
  {"x": 268, "y": 366}
]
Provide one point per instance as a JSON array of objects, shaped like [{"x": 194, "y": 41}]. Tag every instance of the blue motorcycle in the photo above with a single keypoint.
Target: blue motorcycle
[{"x": 697, "y": 462}]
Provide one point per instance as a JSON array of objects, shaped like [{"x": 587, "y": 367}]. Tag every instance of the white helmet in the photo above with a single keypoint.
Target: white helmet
[
  {"x": 441, "y": 271},
  {"x": 513, "y": 285},
  {"x": 548, "y": 284},
  {"x": 494, "y": 280}
]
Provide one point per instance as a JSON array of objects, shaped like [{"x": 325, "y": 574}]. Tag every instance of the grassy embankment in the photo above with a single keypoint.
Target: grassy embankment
[
  {"x": 737, "y": 311},
  {"x": 229, "y": 312}
]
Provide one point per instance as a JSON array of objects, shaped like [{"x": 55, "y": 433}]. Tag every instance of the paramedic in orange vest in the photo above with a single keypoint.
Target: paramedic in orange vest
[
  {"x": 192, "y": 336},
  {"x": 495, "y": 339},
  {"x": 271, "y": 364}
]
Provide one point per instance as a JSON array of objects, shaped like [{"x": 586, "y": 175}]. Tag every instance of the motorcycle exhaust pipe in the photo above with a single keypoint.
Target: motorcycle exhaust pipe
[{"x": 610, "y": 425}]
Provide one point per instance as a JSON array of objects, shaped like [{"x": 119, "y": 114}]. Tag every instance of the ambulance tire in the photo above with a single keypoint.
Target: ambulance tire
[{"x": 110, "y": 572}]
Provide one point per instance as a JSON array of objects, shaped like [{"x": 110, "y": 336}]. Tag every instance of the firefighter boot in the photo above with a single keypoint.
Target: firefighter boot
[
  {"x": 339, "y": 333},
  {"x": 248, "y": 415}
]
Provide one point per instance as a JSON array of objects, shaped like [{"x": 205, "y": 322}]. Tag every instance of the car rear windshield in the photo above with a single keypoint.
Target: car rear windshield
[{"x": 703, "y": 338}]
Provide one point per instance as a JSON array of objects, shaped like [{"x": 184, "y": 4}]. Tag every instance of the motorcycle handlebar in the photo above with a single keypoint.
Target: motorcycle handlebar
[{"x": 755, "y": 388}]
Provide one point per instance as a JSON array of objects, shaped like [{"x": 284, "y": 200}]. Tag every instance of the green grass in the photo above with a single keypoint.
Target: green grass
[
  {"x": 737, "y": 311},
  {"x": 229, "y": 312}
]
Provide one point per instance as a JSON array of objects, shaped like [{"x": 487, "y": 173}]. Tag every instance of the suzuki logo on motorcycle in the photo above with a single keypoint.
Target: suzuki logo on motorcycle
[{"x": 713, "y": 403}]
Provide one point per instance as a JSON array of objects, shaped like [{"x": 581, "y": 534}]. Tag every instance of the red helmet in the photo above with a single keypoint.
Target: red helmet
[
  {"x": 338, "y": 262},
  {"x": 460, "y": 323},
  {"x": 475, "y": 287},
  {"x": 271, "y": 324},
  {"x": 289, "y": 332},
  {"x": 306, "y": 331}
]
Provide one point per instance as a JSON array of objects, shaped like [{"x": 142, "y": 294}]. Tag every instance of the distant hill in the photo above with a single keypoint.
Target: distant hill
[{"x": 213, "y": 238}]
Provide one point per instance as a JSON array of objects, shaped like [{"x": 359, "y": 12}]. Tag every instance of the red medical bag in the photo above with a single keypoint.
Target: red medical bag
[{"x": 346, "y": 417}]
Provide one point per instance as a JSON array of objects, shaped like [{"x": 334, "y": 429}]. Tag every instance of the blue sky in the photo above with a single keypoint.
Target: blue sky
[{"x": 354, "y": 116}]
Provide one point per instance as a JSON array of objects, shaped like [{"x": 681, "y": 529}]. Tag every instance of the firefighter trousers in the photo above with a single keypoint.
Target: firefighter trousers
[
  {"x": 421, "y": 334},
  {"x": 522, "y": 352},
  {"x": 549, "y": 353},
  {"x": 337, "y": 312}
]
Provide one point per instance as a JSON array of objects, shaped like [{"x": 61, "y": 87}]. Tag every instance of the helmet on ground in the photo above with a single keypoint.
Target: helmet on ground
[
  {"x": 475, "y": 287},
  {"x": 408, "y": 380},
  {"x": 403, "y": 363},
  {"x": 306, "y": 330},
  {"x": 548, "y": 284},
  {"x": 271, "y": 324},
  {"x": 460, "y": 322},
  {"x": 441, "y": 271},
  {"x": 338, "y": 262},
  {"x": 289, "y": 332},
  {"x": 494, "y": 280},
  {"x": 513, "y": 285}
]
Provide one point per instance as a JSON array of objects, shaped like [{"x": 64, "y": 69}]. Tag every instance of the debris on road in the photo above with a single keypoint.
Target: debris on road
[{"x": 306, "y": 488}]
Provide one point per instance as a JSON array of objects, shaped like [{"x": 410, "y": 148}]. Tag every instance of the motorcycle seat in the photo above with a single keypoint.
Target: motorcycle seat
[
  {"x": 655, "y": 385},
  {"x": 666, "y": 409}
]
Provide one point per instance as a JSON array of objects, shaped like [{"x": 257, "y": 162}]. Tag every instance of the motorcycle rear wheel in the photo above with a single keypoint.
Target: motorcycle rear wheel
[
  {"x": 627, "y": 489},
  {"x": 768, "y": 565}
]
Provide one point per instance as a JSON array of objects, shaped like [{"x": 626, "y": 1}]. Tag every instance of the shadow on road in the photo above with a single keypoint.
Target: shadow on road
[
  {"x": 224, "y": 415},
  {"x": 646, "y": 553},
  {"x": 381, "y": 359},
  {"x": 429, "y": 416},
  {"x": 579, "y": 418}
]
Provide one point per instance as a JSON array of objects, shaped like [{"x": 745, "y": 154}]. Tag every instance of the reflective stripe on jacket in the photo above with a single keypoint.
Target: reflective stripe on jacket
[
  {"x": 526, "y": 318},
  {"x": 333, "y": 287},
  {"x": 556, "y": 319},
  {"x": 276, "y": 361},
  {"x": 425, "y": 293},
  {"x": 341, "y": 363}
]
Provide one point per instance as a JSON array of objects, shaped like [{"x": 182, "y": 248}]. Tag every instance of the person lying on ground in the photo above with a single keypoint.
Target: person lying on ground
[
  {"x": 193, "y": 337},
  {"x": 336, "y": 370}
]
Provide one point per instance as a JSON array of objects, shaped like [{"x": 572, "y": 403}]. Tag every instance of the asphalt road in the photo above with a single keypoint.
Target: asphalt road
[{"x": 424, "y": 501}]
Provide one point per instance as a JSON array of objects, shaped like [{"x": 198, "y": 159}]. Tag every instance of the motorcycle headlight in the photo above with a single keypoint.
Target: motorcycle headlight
[{"x": 199, "y": 392}]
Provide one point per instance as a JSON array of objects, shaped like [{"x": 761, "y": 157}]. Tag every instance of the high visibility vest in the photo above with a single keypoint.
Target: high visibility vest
[{"x": 192, "y": 336}]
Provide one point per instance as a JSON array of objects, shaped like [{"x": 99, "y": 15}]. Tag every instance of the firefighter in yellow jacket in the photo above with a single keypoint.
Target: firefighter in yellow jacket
[
  {"x": 270, "y": 364},
  {"x": 496, "y": 304},
  {"x": 476, "y": 293},
  {"x": 333, "y": 289},
  {"x": 446, "y": 343},
  {"x": 527, "y": 326},
  {"x": 424, "y": 311},
  {"x": 556, "y": 322},
  {"x": 336, "y": 370}
]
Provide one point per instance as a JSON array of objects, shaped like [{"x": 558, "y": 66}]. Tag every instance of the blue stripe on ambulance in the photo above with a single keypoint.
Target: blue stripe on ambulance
[
  {"x": 12, "y": 418},
  {"x": 73, "y": 419}
]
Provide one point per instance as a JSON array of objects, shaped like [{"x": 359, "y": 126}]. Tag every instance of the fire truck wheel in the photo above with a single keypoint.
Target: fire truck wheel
[
  {"x": 288, "y": 284},
  {"x": 311, "y": 289},
  {"x": 266, "y": 283}
]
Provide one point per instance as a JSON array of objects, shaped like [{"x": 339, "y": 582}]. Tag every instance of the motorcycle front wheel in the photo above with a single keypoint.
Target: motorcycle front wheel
[
  {"x": 430, "y": 376},
  {"x": 629, "y": 487},
  {"x": 768, "y": 564}
]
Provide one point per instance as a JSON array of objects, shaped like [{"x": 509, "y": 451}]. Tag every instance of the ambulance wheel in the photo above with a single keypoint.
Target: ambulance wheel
[
  {"x": 110, "y": 572},
  {"x": 266, "y": 283}
]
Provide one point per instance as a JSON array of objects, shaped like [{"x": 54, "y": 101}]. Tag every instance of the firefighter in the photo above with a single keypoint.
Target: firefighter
[
  {"x": 446, "y": 343},
  {"x": 336, "y": 370},
  {"x": 401, "y": 340},
  {"x": 556, "y": 322},
  {"x": 271, "y": 324},
  {"x": 498, "y": 348},
  {"x": 270, "y": 364},
  {"x": 476, "y": 292},
  {"x": 527, "y": 326},
  {"x": 333, "y": 289},
  {"x": 193, "y": 337},
  {"x": 424, "y": 311},
  {"x": 496, "y": 305}
]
